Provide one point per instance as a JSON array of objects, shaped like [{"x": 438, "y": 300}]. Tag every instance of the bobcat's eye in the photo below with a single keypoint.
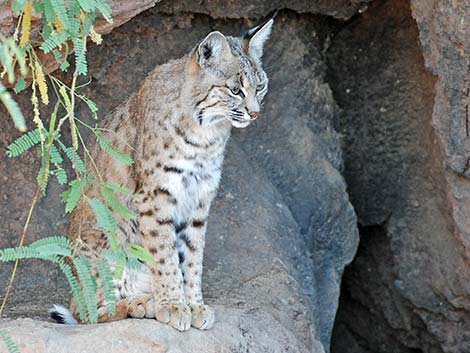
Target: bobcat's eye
[
  {"x": 260, "y": 87},
  {"x": 235, "y": 90}
]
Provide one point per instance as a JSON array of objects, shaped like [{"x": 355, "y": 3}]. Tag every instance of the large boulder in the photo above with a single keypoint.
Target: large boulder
[
  {"x": 296, "y": 144},
  {"x": 249, "y": 277},
  {"x": 238, "y": 332},
  {"x": 281, "y": 229},
  {"x": 406, "y": 158}
]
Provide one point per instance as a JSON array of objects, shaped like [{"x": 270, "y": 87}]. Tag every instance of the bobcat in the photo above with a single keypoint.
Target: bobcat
[{"x": 177, "y": 124}]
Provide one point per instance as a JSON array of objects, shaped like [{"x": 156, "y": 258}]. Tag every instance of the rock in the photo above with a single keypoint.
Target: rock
[
  {"x": 445, "y": 38},
  {"x": 278, "y": 239},
  {"x": 239, "y": 332},
  {"x": 342, "y": 9},
  {"x": 296, "y": 144},
  {"x": 408, "y": 288},
  {"x": 247, "y": 276},
  {"x": 123, "y": 11}
]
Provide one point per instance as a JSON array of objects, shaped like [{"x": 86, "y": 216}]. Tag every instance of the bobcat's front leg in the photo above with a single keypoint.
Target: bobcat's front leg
[
  {"x": 191, "y": 243},
  {"x": 158, "y": 233}
]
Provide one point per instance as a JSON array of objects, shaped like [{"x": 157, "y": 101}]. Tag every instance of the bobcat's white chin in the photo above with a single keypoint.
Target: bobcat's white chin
[{"x": 240, "y": 124}]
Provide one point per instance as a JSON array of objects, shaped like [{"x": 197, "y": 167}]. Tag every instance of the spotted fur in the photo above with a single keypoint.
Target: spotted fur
[{"x": 175, "y": 127}]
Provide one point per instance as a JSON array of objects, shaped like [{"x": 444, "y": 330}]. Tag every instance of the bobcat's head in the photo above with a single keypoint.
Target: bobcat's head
[{"x": 229, "y": 81}]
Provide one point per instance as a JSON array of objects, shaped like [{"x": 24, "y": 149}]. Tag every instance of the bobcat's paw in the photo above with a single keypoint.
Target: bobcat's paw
[
  {"x": 203, "y": 317},
  {"x": 140, "y": 306},
  {"x": 175, "y": 315}
]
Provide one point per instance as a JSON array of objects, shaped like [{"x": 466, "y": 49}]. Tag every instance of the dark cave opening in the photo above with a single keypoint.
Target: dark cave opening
[{"x": 378, "y": 78}]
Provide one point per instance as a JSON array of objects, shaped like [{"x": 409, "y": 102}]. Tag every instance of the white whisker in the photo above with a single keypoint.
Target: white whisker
[{"x": 217, "y": 119}]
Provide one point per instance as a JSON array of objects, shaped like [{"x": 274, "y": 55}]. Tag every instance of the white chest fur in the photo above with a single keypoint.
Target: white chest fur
[{"x": 196, "y": 185}]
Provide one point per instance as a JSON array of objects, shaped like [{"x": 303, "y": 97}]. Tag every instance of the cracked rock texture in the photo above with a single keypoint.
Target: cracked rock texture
[{"x": 281, "y": 229}]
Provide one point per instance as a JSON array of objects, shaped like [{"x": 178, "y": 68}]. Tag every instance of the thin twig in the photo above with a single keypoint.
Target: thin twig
[{"x": 23, "y": 234}]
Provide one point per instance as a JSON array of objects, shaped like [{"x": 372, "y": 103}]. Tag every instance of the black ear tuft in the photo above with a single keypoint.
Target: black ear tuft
[
  {"x": 252, "y": 31},
  {"x": 255, "y": 38}
]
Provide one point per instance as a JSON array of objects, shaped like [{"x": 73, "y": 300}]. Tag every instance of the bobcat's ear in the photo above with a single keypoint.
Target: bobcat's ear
[
  {"x": 213, "y": 51},
  {"x": 256, "y": 37}
]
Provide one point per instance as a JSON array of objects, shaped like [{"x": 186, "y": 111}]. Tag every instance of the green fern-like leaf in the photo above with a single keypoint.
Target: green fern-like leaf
[
  {"x": 52, "y": 246},
  {"x": 59, "y": 172},
  {"x": 133, "y": 263},
  {"x": 107, "y": 285},
  {"x": 140, "y": 253},
  {"x": 57, "y": 54},
  {"x": 107, "y": 147},
  {"x": 9, "y": 343},
  {"x": 118, "y": 258},
  {"x": 56, "y": 158},
  {"x": 74, "y": 19},
  {"x": 52, "y": 122},
  {"x": 47, "y": 28},
  {"x": 13, "y": 109},
  {"x": 104, "y": 217},
  {"x": 120, "y": 266},
  {"x": 113, "y": 201},
  {"x": 18, "y": 5},
  {"x": 80, "y": 56},
  {"x": 117, "y": 187},
  {"x": 105, "y": 10},
  {"x": 90, "y": 18},
  {"x": 18, "y": 253},
  {"x": 91, "y": 105},
  {"x": 20, "y": 85},
  {"x": 45, "y": 248},
  {"x": 53, "y": 240},
  {"x": 61, "y": 11},
  {"x": 114, "y": 244},
  {"x": 89, "y": 286},
  {"x": 72, "y": 195},
  {"x": 51, "y": 251},
  {"x": 43, "y": 174},
  {"x": 7, "y": 60},
  {"x": 111, "y": 255},
  {"x": 19, "y": 56},
  {"x": 74, "y": 157},
  {"x": 87, "y": 5},
  {"x": 24, "y": 143},
  {"x": 75, "y": 289},
  {"x": 54, "y": 40},
  {"x": 65, "y": 64},
  {"x": 48, "y": 11},
  {"x": 61, "y": 176},
  {"x": 45, "y": 252},
  {"x": 38, "y": 7}
]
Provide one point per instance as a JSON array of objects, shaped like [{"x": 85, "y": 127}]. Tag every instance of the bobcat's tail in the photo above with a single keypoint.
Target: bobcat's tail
[{"x": 62, "y": 315}]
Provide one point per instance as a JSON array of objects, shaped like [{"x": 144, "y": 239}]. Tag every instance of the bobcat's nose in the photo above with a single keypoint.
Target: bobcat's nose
[{"x": 253, "y": 115}]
